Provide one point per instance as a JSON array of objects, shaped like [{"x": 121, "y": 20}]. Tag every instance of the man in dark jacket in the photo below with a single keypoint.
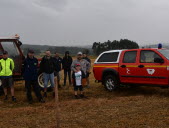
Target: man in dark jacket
[
  {"x": 47, "y": 67},
  {"x": 58, "y": 61},
  {"x": 67, "y": 61},
  {"x": 31, "y": 76}
]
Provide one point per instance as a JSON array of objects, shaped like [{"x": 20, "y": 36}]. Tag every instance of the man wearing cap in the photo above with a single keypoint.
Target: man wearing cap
[
  {"x": 31, "y": 77},
  {"x": 84, "y": 64},
  {"x": 47, "y": 67},
  {"x": 66, "y": 63},
  {"x": 6, "y": 72},
  {"x": 87, "y": 73}
]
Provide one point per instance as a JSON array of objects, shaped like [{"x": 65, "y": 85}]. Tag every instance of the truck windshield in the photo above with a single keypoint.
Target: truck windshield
[
  {"x": 165, "y": 53},
  {"x": 13, "y": 52}
]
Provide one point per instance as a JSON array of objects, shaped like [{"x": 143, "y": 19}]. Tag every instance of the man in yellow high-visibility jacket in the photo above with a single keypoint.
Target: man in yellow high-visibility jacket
[{"x": 6, "y": 72}]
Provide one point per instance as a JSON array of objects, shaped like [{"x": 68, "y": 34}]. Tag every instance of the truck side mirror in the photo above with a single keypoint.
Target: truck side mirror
[
  {"x": 158, "y": 60},
  {"x": 20, "y": 43}
]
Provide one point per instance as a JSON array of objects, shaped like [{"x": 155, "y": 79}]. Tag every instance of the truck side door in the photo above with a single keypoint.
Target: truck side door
[
  {"x": 128, "y": 67},
  {"x": 150, "y": 71}
]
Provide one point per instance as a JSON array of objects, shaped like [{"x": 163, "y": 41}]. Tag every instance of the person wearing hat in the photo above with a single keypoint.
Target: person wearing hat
[
  {"x": 6, "y": 72},
  {"x": 84, "y": 64},
  {"x": 66, "y": 65},
  {"x": 30, "y": 75},
  {"x": 87, "y": 73},
  {"x": 77, "y": 80}
]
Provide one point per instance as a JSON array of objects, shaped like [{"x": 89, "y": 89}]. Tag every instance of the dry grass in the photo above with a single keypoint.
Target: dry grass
[{"x": 140, "y": 107}]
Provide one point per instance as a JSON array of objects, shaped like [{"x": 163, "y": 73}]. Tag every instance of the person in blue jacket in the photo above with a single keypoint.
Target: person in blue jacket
[{"x": 31, "y": 77}]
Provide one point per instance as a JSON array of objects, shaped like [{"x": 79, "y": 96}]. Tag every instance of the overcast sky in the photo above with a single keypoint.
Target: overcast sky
[{"x": 82, "y": 22}]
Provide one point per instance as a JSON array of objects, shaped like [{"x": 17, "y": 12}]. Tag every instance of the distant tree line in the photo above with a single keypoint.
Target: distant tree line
[
  {"x": 59, "y": 49},
  {"x": 113, "y": 45}
]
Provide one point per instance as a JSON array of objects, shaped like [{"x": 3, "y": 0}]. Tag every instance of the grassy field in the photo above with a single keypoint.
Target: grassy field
[{"x": 139, "y": 107}]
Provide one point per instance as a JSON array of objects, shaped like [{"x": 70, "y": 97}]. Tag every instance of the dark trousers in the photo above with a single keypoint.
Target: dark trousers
[
  {"x": 32, "y": 84},
  {"x": 67, "y": 72}
]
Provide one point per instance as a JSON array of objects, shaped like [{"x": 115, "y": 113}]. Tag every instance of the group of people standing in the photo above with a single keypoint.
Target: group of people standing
[{"x": 51, "y": 67}]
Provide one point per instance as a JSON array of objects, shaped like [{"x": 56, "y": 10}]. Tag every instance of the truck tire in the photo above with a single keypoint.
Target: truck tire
[
  {"x": 41, "y": 81},
  {"x": 110, "y": 83}
]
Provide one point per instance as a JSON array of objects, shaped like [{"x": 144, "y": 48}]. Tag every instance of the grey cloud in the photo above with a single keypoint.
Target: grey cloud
[
  {"x": 65, "y": 22},
  {"x": 54, "y": 4}
]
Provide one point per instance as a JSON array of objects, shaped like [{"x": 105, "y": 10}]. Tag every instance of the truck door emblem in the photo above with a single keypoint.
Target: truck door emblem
[
  {"x": 151, "y": 71},
  {"x": 128, "y": 71},
  {"x": 167, "y": 67}
]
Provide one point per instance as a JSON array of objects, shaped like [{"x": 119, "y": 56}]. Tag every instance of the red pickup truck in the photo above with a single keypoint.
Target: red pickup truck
[{"x": 147, "y": 66}]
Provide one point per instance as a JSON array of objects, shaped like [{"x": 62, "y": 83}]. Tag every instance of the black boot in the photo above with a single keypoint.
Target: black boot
[
  {"x": 81, "y": 96},
  {"x": 6, "y": 98},
  {"x": 76, "y": 97},
  {"x": 42, "y": 100},
  {"x": 13, "y": 99},
  {"x": 45, "y": 95}
]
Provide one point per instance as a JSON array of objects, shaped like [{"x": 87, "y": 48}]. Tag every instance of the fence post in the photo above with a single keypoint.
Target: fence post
[{"x": 57, "y": 105}]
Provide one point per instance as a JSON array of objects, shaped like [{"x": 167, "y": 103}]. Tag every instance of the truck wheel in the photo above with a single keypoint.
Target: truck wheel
[
  {"x": 41, "y": 81},
  {"x": 110, "y": 83}
]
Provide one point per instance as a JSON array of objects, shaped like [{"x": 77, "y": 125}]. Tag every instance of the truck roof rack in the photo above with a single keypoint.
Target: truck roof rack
[{"x": 12, "y": 37}]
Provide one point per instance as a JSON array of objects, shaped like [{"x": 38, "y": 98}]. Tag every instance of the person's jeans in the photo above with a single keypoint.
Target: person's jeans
[
  {"x": 65, "y": 76},
  {"x": 48, "y": 77}
]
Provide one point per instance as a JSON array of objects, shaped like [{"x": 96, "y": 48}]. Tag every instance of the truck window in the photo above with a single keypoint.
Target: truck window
[
  {"x": 13, "y": 52},
  {"x": 164, "y": 52},
  {"x": 130, "y": 57},
  {"x": 148, "y": 56},
  {"x": 109, "y": 57}
]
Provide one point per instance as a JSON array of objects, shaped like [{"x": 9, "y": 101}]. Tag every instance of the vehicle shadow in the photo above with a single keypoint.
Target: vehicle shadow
[
  {"x": 126, "y": 91},
  {"x": 140, "y": 90}
]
